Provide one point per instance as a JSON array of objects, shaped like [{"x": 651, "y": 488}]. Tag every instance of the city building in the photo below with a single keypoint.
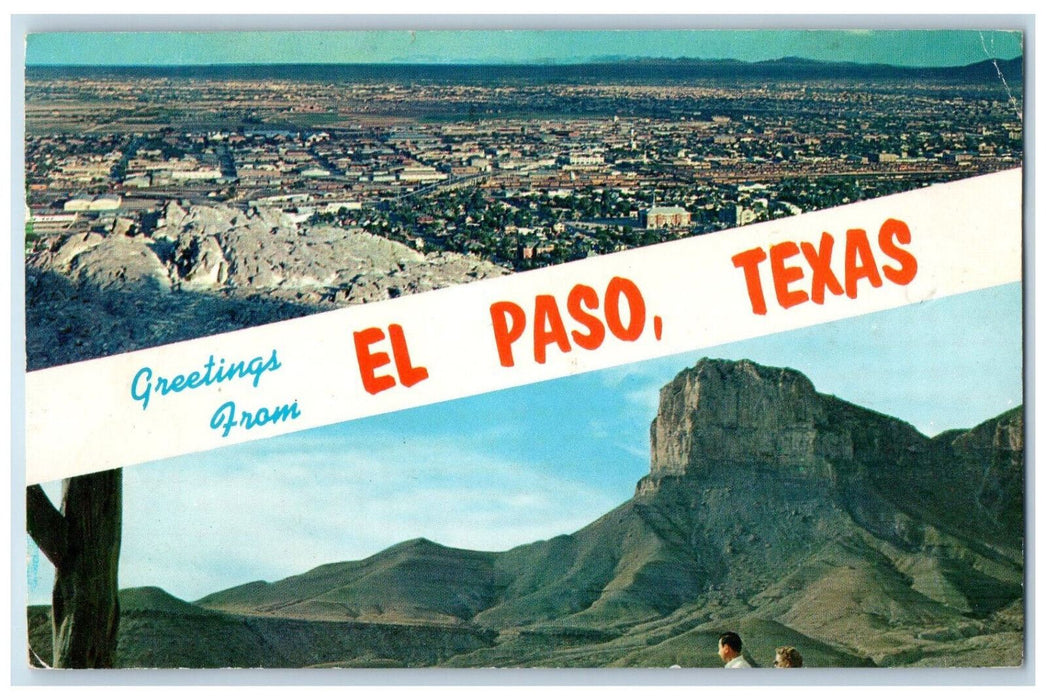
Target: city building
[{"x": 664, "y": 217}]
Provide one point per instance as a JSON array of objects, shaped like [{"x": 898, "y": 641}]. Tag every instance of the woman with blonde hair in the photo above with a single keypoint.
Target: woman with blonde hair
[{"x": 788, "y": 657}]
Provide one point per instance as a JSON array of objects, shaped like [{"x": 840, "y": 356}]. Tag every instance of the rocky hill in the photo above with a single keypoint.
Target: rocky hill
[
  {"x": 790, "y": 516},
  {"x": 198, "y": 270}
]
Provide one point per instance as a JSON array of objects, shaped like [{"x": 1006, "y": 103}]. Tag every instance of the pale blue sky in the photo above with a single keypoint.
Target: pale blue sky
[
  {"x": 894, "y": 47},
  {"x": 511, "y": 467}
]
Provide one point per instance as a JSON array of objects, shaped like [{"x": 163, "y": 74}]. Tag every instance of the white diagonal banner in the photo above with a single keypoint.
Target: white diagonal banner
[{"x": 494, "y": 334}]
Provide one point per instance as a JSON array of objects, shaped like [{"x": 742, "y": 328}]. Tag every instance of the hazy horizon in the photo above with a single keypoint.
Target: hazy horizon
[{"x": 923, "y": 48}]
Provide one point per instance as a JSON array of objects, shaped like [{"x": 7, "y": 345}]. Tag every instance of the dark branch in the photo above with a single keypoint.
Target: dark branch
[{"x": 45, "y": 523}]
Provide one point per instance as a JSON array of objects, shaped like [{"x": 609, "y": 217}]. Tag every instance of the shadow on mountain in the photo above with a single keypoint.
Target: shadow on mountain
[{"x": 70, "y": 321}]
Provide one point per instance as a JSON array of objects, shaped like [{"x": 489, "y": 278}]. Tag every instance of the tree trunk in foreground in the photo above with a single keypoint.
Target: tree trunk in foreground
[{"x": 83, "y": 542}]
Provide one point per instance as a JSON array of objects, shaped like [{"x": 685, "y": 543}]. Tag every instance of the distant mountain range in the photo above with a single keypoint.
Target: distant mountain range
[
  {"x": 787, "y": 515},
  {"x": 625, "y": 70}
]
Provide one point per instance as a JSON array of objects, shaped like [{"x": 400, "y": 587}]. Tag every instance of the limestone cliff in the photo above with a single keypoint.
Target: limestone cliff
[
  {"x": 742, "y": 413},
  {"x": 771, "y": 423}
]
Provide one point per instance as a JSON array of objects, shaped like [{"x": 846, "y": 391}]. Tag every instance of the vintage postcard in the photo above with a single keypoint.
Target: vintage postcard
[{"x": 525, "y": 349}]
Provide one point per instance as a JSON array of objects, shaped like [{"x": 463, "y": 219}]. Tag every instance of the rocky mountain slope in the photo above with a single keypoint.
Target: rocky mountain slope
[
  {"x": 790, "y": 516},
  {"x": 199, "y": 270}
]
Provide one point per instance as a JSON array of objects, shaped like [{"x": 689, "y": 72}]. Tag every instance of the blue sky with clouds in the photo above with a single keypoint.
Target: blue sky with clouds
[
  {"x": 904, "y": 47},
  {"x": 511, "y": 467}
]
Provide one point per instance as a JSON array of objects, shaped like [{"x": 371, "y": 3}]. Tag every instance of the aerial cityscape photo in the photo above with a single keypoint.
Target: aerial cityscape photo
[
  {"x": 381, "y": 180},
  {"x": 184, "y": 184}
]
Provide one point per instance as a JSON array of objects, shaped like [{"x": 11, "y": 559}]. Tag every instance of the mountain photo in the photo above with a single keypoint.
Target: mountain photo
[{"x": 790, "y": 516}]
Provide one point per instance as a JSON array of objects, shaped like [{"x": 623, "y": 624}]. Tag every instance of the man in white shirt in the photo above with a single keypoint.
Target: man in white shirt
[{"x": 730, "y": 651}]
